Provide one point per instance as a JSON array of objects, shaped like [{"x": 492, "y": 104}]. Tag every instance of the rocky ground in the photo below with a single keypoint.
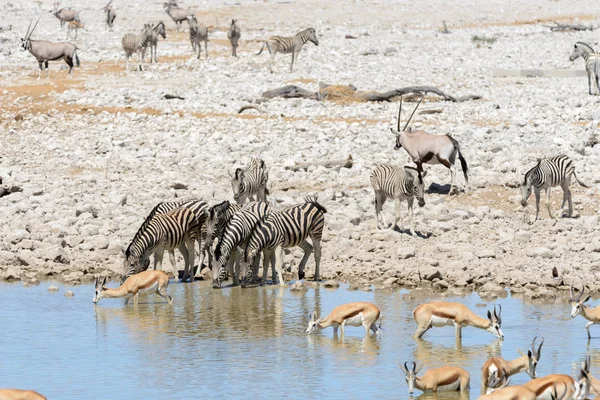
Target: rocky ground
[{"x": 84, "y": 160}]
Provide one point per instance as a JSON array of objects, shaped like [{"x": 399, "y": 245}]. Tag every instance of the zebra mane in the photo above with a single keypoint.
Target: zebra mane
[
  {"x": 528, "y": 173},
  {"x": 256, "y": 226},
  {"x": 222, "y": 205},
  {"x": 313, "y": 201},
  {"x": 142, "y": 228},
  {"x": 585, "y": 45}
]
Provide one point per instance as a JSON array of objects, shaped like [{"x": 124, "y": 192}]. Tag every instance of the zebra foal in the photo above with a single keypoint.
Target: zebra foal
[
  {"x": 548, "y": 173},
  {"x": 236, "y": 234},
  {"x": 136, "y": 43},
  {"x": 198, "y": 33},
  {"x": 391, "y": 181},
  {"x": 286, "y": 45},
  {"x": 250, "y": 182},
  {"x": 234, "y": 34},
  {"x": 285, "y": 229},
  {"x": 592, "y": 64},
  {"x": 154, "y": 32}
]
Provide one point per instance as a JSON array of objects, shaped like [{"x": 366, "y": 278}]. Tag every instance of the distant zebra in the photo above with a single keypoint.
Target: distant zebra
[
  {"x": 234, "y": 34},
  {"x": 200, "y": 210},
  {"x": 285, "y": 229},
  {"x": 393, "y": 182},
  {"x": 155, "y": 31},
  {"x": 250, "y": 182},
  {"x": 286, "y": 45},
  {"x": 592, "y": 64},
  {"x": 198, "y": 33},
  {"x": 133, "y": 43},
  {"x": 235, "y": 235},
  {"x": 173, "y": 230},
  {"x": 548, "y": 173}
]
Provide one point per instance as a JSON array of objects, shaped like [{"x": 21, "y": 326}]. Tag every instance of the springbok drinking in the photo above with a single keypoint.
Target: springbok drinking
[
  {"x": 18, "y": 394},
  {"x": 442, "y": 313},
  {"x": 352, "y": 314},
  {"x": 497, "y": 389},
  {"x": 151, "y": 281},
  {"x": 558, "y": 385},
  {"x": 444, "y": 379}
]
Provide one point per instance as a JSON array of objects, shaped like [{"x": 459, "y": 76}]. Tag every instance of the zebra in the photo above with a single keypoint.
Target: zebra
[
  {"x": 217, "y": 218},
  {"x": 110, "y": 15},
  {"x": 173, "y": 230},
  {"x": 234, "y": 34},
  {"x": 133, "y": 43},
  {"x": 155, "y": 31},
  {"x": 246, "y": 183},
  {"x": 391, "y": 181},
  {"x": 548, "y": 173},
  {"x": 198, "y": 33},
  {"x": 285, "y": 229},
  {"x": 286, "y": 45},
  {"x": 235, "y": 235},
  {"x": 592, "y": 64},
  {"x": 200, "y": 210}
]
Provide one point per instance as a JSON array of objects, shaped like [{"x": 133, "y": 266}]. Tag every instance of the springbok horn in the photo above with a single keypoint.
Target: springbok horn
[
  {"x": 498, "y": 315},
  {"x": 581, "y": 293},
  {"x": 539, "y": 350},
  {"x": 571, "y": 293},
  {"x": 414, "y": 366},
  {"x": 406, "y": 367},
  {"x": 413, "y": 113},
  {"x": 399, "y": 113}
]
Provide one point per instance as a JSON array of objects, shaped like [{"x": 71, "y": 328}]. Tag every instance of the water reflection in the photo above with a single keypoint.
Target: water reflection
[{"x": 431, "y": 354}]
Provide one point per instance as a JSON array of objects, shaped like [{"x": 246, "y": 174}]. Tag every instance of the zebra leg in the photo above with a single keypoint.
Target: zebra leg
[
  {"x": 589, "y": 75},
  {"x": 397, "y": 205},
  {"x": 567, "y": 197},
  {"x": 307, "y": 251},
  {"x": 379, "y": 202},
  {"x": 236, "y": 270},
  {"x": 158, "y": 258},
  {"x": 271, "y": 56},
  {"x": 173, "y": 261},
  {"x": 410, "y": 202},
  {"x": 183, "y": 250},
  {"x": 317, "y": 247},
  {"x": 536, "y": 191},
  {"x": 206, "y": 48},
  {"x": 292, "y": 65},
  {"x": 548, "y": 202},
  {"x": 191, "y": 248},
  {"x": 279, "y": 264}
]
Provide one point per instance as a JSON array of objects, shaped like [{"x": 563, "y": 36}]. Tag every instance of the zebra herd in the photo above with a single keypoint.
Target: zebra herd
[{"x": 243, "y": 231}]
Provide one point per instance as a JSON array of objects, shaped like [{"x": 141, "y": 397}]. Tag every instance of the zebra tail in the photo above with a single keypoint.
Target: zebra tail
[
  {"x": 463, "y": 162},
  {"x": 578, "y": 181},
  {"x": 261, "y": 49}
]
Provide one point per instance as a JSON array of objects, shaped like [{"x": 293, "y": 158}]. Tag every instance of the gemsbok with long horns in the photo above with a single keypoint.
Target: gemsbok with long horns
[
  {"x": 45, "y": 51},
  {"x": 110, "y": 14},
  {"x": 64, "y": 14},
  {"x": 505, "y": 369},
  {"x": 353, "y": 314},
  {"x": 557, "y": 385},
  {"x": 579, "y": 308},
  {"x": 443, "y": 379},
  {"x": 146, "y": 281},
  {"x": 234, "y": 34},
  {"x": 178, "y": 15},
  {"x": 442, "y": 313},
  {"x": 19, "y": 394},
  {"x": 497, "y": 389},
  {"x": 425, "y": 148}
]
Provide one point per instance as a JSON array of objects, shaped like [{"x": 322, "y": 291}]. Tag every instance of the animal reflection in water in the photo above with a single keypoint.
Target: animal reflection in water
[{"x": 428, "y": 353}]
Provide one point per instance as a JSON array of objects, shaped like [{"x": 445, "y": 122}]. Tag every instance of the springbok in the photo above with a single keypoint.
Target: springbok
[
  {"x": 444, "y": 379},
  {"x": 353, "y": 314},
  {"x": 18, "y": 394},
  {"x": 505, "y": 369},
  {"x": 150, "y": 280},
  {"x": 45, "y": 51},
  {"x": 592, "y": 385},
  {"x": 545, "y": 388},
  {"x": 442, "y": 313},
  {"x": 425, "y": 148},
  {"x": 578, "y": 307},
  {"x": 74, "y": 26},
  {"x": 64, "y": 15},
  {"x": 497, "y": 389}
]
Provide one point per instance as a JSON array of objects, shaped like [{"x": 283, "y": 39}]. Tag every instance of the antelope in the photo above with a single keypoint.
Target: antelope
[
  {"x": 64, "y": 15},
  {"x": 527, "y": 362},
  {"x": 441, "y": 313},
  {"x": 498, "y": 389},
  {"x": 178, "y": 15},
  {"x": 353, "y": 314},
  {"x": 444, "y": 379},
  {"x": 150, "y": 280},
  {"x": 592, "y": 385},
  {"x": 545, "y": 388},
  {"x": 18, "y": 394},
  {"x": 578, "y": 307},
  {"x": 74, "y": 26},
  {"x": 45, "y": 51},
  {"x": 425, "y": 148},
  {"x": 110, "y": 14}
]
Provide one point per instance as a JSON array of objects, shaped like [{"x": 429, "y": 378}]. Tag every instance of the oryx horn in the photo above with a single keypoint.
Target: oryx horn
[
  {"x": 413, "y": 113},
  {"x": 33, "y": 29},
  {"x": 399, "y": 113}
]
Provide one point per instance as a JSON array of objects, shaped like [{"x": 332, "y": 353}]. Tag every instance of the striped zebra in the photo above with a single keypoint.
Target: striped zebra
[
  {"x": 234, "y": 34},
  {"x": 285, "y": 229},
  {"x": 198, "y": 33},
  {"x": 250, "y": 182},
  {"x": 155, "y": 31},
  {"x": 173, "y": 230},
  {"x": 235, "y": 235},
  {"x": 286, "y": 45},
  {"x": 548, "y": 173},
  {"x": 592, "y": 64},
  {"x": 200, "y": 210},
  {"x": 133, "y": 43},
  {"x": 393, "y": 182},
  {"x": 217, "y": 218}
]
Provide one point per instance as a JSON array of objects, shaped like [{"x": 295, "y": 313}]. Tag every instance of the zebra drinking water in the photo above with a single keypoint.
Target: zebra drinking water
[
  {"x": 592, "y": 64},
  {"x": 286, "y": 45},
  {"x": 285, "y": 229},
  {"x": 198, "y": 33},
  {"x": 134, "y": 43},
  {"x": 548, "y": 173},
  {"x": 391, "y": 181},
  {"x": 234, "y": 34},
  {"x": 250, "y": 182},
  {"x": 155, "y": 31},
  {"x": 235, "y": 235}
]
